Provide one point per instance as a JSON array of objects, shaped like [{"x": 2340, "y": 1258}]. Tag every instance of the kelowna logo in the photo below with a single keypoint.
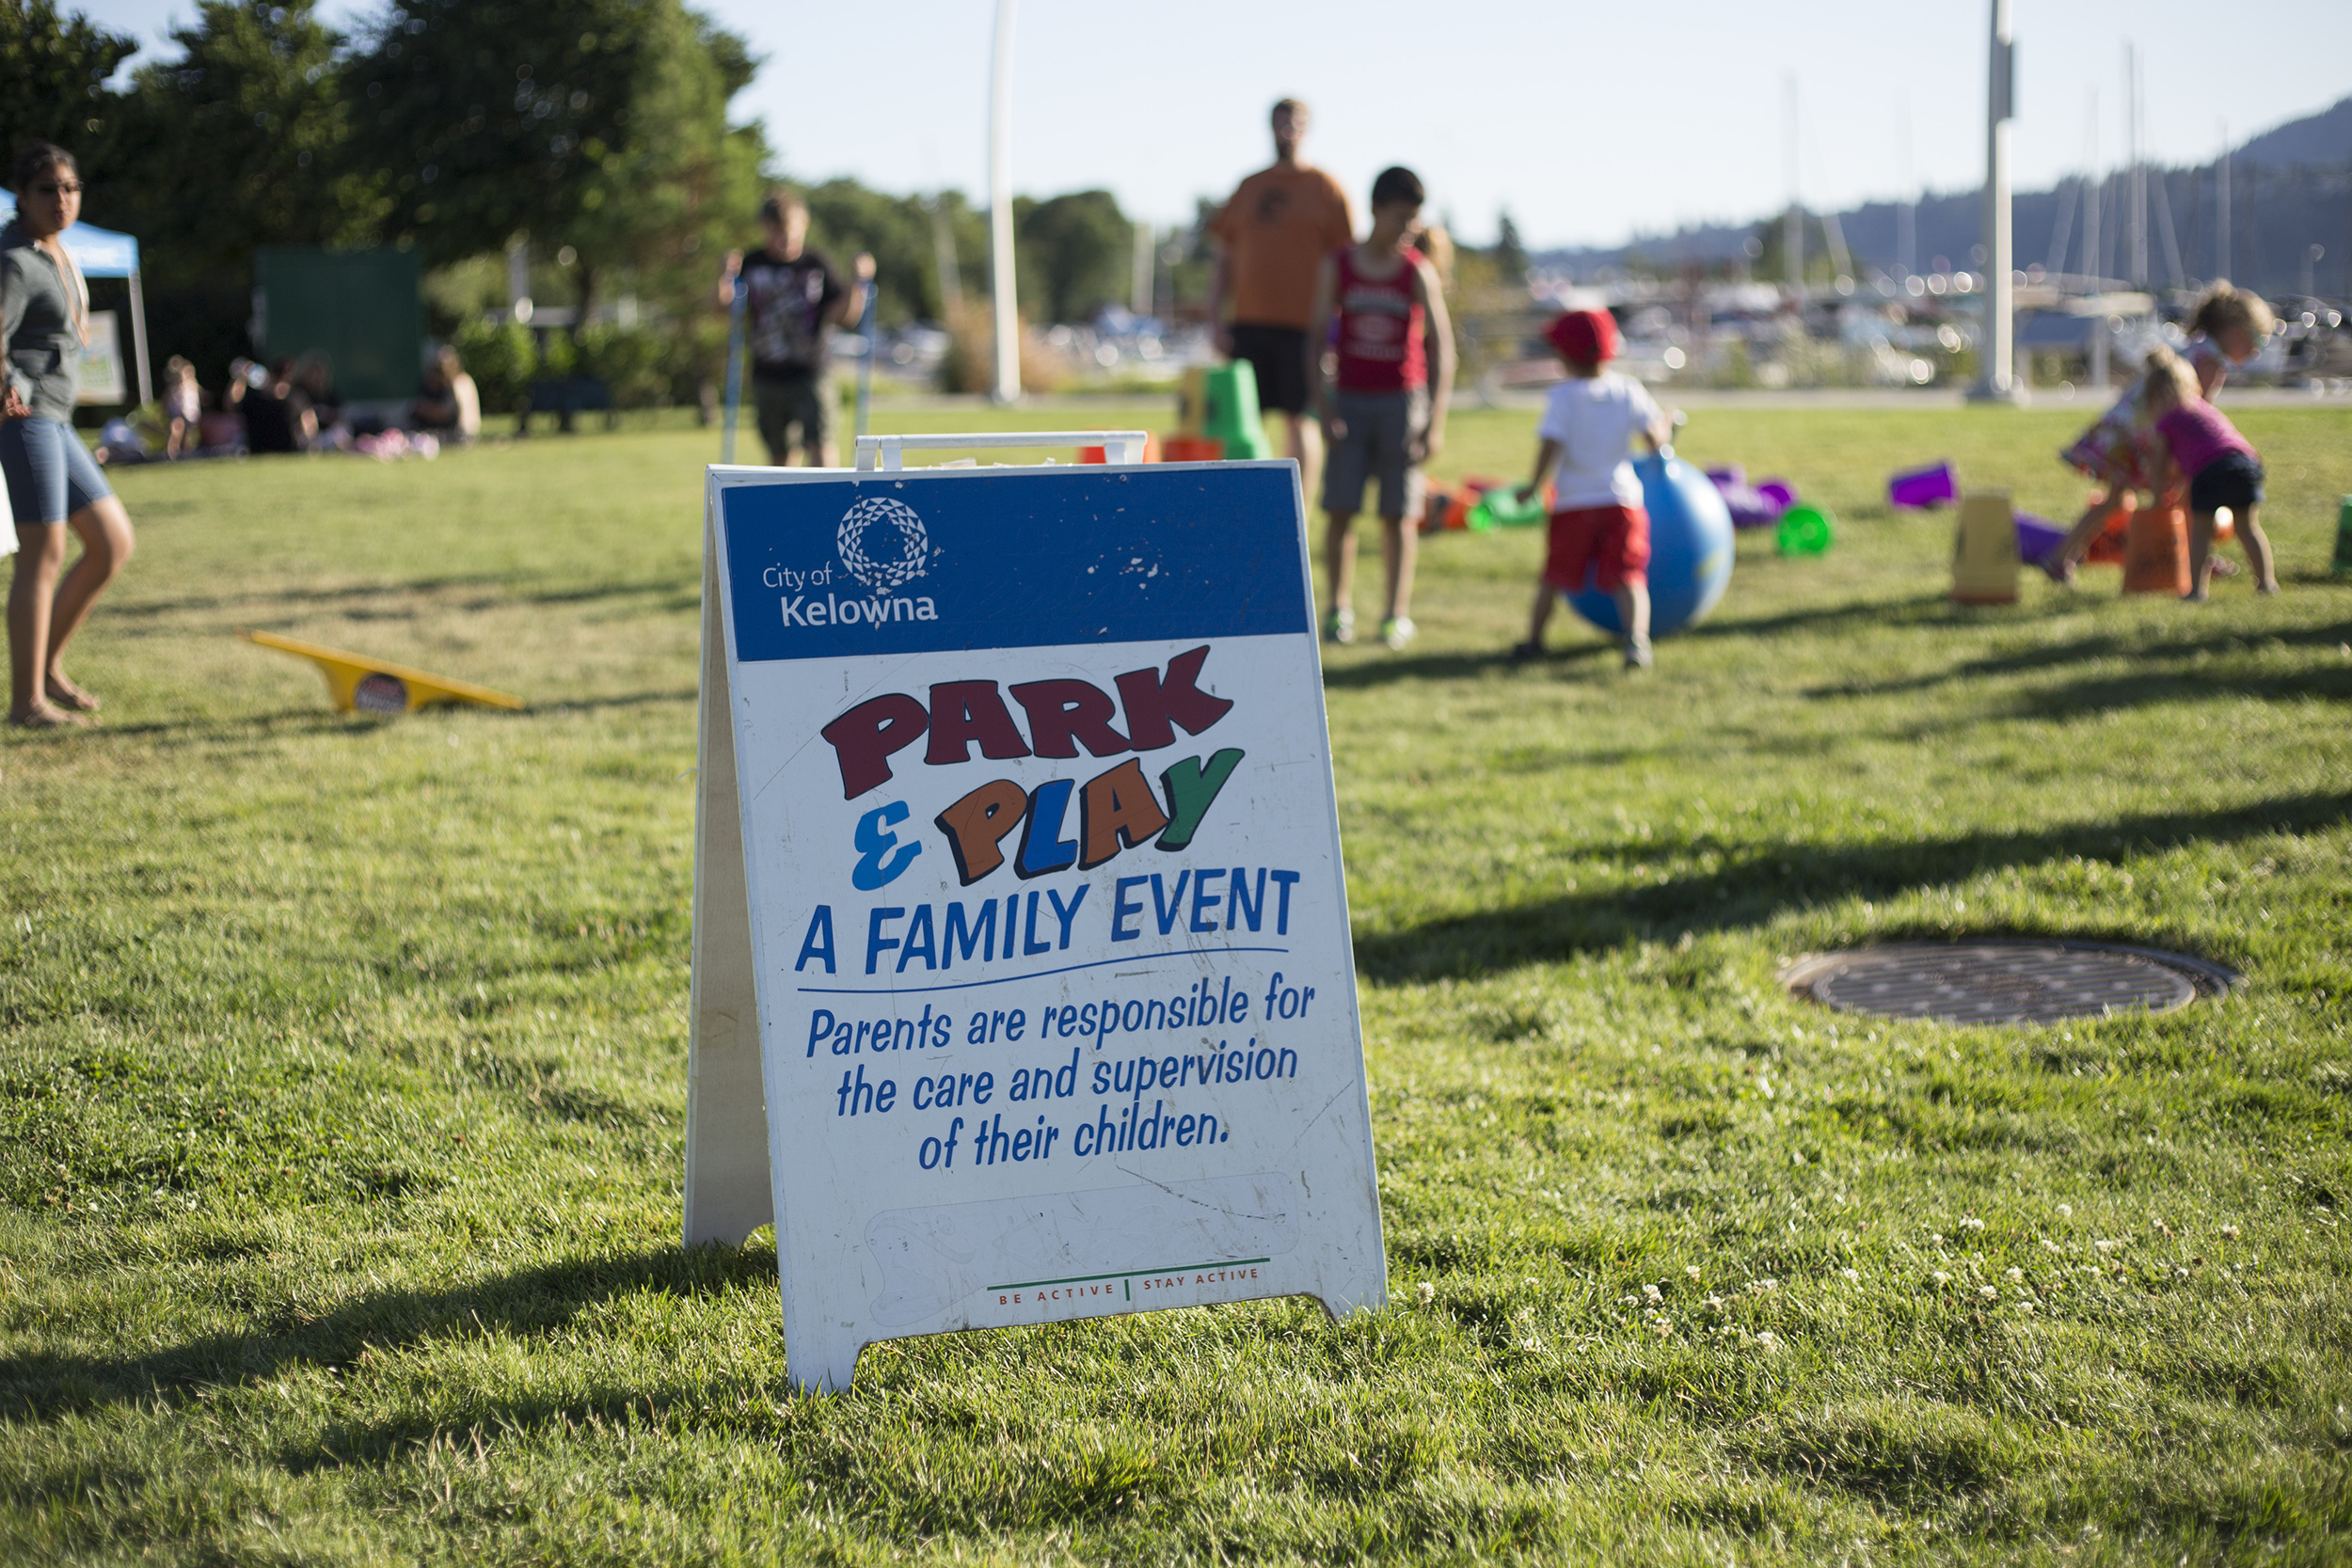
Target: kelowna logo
[
  {"x": 879, "y": 514},
  {"x": 884, "y": 544}
]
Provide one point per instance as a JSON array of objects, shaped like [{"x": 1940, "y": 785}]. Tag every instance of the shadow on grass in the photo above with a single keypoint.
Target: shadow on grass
[
  {"x": 1759, "y": 882},
  {"x": 2169, "y": 672},
  {"x": 1594, "y": 644},
  {"x": 45, "y": 1386},
  {"x": 675, "y": 590}
]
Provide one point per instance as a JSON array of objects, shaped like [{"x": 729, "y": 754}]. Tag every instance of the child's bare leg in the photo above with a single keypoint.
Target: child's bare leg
[
  {"x": 1634, "y": 610},
  {"x": 1633, "y": 614},
  {"x": 1399, "y": 547},
  {"x": 1539, "y": 615},
  {"x": 2200, "y": 553},
  {"x": 2257, "y": 543},
  {"x": 1339, "y": 558},
  {"x": 2087, "y": 528}
]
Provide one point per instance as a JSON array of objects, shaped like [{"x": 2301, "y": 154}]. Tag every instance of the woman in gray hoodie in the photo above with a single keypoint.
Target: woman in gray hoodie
[{"x": 53, "y": 480}]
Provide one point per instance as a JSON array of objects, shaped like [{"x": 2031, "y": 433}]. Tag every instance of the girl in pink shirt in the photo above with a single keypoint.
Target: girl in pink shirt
[{"x": 2220, "y": 465}]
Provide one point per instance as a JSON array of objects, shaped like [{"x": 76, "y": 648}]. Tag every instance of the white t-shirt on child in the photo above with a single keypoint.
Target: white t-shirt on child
[{"x": 1595, "y": 422}]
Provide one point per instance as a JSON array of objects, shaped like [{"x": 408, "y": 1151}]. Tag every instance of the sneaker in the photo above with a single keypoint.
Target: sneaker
[
  {"x": 1525, "y": 653},
  {"x": 1637, "y": 654},
  {"x": 1339, "y": 625},
  {"x": 1396, "y": 631}
]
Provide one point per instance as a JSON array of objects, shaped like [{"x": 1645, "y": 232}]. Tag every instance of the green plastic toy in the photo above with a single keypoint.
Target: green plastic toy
[
  {"x": 1502, "y": 507},
  {"x": 1805, "y": 531}
]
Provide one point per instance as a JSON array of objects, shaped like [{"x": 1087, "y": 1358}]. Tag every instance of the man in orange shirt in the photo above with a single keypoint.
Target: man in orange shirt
[{"x": 1272, "y": 238}]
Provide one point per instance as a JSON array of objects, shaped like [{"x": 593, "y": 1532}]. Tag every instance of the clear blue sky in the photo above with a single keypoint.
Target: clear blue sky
[{"x": 1588, "y": 122}]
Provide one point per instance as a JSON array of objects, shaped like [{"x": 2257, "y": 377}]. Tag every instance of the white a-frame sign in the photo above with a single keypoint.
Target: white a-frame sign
[{"x": 1021, "y": 982}]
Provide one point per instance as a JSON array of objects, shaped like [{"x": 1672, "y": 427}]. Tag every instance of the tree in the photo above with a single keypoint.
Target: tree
[
  {"x": 1510, "y": 255},
  {"x": 52, "y": 80},
  {"x": 846, "y": 218},
  {"x": 597, "y": 125},
  {"x": 1073, "y": 254},
  {"x": 238, "y": 143}
]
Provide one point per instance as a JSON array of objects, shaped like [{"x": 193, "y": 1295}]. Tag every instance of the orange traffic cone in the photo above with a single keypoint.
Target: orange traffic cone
[{"x": 2155, "y": 552}]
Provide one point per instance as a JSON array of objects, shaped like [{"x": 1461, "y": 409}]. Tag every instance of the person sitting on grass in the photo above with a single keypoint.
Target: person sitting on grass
[
  {"x": 1597, "y": 521},
  {"x": 448, "y": 403},
  {"x": 1386, "y": 416},
  {"x": 2220, "y": 465}
]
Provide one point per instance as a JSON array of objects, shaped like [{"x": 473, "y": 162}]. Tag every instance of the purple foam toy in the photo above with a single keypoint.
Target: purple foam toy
[
  {"x": 1933, "y": 486},
  {"x": 2037, "y": 538},
  {"x": 1752, "y": 505}
]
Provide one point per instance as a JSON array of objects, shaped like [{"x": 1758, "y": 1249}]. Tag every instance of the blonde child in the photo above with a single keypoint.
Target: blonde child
[
  {"x": 2220, "y": 466},
  {"x": 2227, "y": 329}
]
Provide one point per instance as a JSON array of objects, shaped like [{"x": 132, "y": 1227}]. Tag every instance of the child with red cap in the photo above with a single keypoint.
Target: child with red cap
[{"x": 1599, "y": 527}]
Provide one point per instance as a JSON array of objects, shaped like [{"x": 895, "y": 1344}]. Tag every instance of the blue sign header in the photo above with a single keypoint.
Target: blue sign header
[{"x": 916, "y": 563}]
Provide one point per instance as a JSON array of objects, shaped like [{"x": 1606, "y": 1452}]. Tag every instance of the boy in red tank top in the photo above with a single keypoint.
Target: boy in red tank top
[{"x": 1380, "y": 314}]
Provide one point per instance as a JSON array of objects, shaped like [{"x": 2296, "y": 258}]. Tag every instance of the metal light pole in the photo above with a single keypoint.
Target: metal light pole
[
  {"x": 1001, "y": 256},
  {"x": 2000, "y": 380}
]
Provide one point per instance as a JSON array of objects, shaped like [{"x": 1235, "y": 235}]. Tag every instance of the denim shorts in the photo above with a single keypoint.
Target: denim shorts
[
  {"x": 2234, "y": 480},
  {"x": 51, "y": 475}
]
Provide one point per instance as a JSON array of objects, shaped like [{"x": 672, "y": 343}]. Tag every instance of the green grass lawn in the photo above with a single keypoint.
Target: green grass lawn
[{"x": 342, "y": 1070}]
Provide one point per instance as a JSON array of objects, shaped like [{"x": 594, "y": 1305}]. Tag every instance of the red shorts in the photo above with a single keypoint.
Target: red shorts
[{"x": 1611, "y": 541}]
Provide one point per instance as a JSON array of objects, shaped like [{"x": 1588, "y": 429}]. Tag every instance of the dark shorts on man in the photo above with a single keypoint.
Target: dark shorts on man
[
  {"x": 1611, "y": 542},
  {"x": 1279, "y": 356},
  {"x": 789, "y": 398},
  {"x": 50, "y": 474},
  {"x": 2234, "y": 480}
]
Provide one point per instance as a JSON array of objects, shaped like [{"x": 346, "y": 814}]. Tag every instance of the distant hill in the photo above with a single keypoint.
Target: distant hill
[{"x": 2291, "y": 188}]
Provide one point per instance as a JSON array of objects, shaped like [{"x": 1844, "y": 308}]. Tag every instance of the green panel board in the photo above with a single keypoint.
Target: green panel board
[{"x": 357, "y": 309}]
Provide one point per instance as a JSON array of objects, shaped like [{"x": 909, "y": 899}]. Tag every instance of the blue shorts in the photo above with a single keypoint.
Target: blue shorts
[{"x": 51, "y": 475}]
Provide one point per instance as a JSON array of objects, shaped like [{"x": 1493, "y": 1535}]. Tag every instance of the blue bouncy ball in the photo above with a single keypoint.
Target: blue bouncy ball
[{"x": 1690, "y": 544}]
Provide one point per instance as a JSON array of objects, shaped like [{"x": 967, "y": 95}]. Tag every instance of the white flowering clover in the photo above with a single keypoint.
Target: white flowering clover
[
  {"x": 1988, "y": 1292},
  {"x": 1427, "y": 1292},
  {"x": 1853, "y": 1276},
  {"x": 1943, "y": 1278},
  {"x": 2066, "y": 1211},
  {"x": 1972, "y": 1223}
]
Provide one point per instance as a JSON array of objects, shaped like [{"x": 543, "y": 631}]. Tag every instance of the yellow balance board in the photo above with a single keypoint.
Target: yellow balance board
[{"x": 359, "y": 683}]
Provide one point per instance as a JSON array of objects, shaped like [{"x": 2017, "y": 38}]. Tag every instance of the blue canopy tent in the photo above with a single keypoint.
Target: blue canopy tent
[{"x": 104, "y": 253}]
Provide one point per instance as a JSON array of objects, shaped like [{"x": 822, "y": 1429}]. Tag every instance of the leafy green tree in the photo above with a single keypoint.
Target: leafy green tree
[
  {"x": 54, "y": 71},
  {"x": 846, "y": 218},
  {"x": 238, "y": 143},
  {"x": 597, "y": 125},
  {"x": 1073, "y": 253}
]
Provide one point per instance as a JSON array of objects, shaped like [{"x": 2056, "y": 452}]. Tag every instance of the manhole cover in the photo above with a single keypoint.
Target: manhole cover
[{"x": 2006, "y": 982}]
